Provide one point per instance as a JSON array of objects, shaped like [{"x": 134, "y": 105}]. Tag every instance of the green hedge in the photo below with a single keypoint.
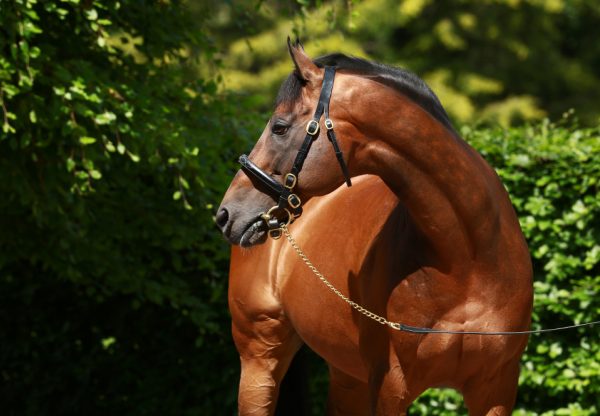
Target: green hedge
[{"x": 113, "y": 153}]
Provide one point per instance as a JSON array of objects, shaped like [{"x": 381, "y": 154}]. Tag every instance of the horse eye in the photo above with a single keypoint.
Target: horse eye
[{"x": 280, "y": 129}]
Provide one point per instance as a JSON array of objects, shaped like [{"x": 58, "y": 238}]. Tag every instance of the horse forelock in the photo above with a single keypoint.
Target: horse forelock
[
  {"x": 289, "y": 91},
  {"x": 399, "y": 79}
]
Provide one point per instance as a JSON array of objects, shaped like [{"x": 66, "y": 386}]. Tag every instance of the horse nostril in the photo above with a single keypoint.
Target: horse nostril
[{"x": 222, "y": 218}]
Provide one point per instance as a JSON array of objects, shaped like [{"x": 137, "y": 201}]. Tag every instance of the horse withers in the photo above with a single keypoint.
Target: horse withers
[{"x": 450, "y": 255}]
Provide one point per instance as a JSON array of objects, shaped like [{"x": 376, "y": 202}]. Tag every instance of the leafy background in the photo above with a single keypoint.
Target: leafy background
[{"x": 121, "y": 120}]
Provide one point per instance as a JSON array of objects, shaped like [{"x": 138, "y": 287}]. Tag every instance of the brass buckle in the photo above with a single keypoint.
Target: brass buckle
[
  {"x": 294, "y": 201},
  {"x": 329, "y": 124},
  {"x": 290, "y": 181},
  {"x": 312, "y": 127}
]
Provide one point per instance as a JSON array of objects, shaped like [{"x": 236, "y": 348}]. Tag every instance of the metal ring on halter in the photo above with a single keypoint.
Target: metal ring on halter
[{"x": 274, "y": 224}]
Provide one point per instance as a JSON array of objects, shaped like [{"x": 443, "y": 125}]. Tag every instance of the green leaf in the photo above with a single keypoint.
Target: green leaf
[
  {"x": 35, "y": 52},
  {"x": 91, "y": 14},
  {"x": 82, "y": 174},
  {"x": 110, "y": 146},
  {"x": 184, "y": 182},
  {"x": 95, "y": 174},
  {"x": 107, "y": 342},
  {"x": 86, "y": 140},
  {"x": 70, "y": 165},
  {"x": 24, "y": 46},
  {"x": 105, "y": 118},
  {"x": 135, "y": 158}
]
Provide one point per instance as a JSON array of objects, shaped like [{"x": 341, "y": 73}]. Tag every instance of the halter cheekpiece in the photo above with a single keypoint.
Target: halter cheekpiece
[{"x": 288, "y": 202}]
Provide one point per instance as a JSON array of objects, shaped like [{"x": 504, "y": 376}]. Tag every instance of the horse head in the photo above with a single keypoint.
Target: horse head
[{"x": 281, "y": 173}]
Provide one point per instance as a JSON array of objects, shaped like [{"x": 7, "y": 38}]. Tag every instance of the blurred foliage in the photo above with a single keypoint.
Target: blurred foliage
[
  {"x": 505, "y": 61},
  {"x": 121, "y": 119},
  {"x": 113, "y": 153}
]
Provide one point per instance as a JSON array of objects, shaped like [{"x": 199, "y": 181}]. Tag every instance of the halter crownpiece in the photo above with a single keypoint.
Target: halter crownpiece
[{"x": 288, "y": 202}]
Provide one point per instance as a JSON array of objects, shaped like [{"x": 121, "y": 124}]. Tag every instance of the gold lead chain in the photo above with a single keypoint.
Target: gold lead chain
[
  {"x": 327, "y": 283},
  {"x": 406, "y": 328}
]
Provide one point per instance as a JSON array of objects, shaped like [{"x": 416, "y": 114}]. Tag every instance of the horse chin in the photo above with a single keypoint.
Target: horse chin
[{"x": 255, "y": 233}]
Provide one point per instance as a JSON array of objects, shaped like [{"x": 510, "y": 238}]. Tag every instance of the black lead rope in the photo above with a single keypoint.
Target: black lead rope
[{"x": 421, "y": 330}]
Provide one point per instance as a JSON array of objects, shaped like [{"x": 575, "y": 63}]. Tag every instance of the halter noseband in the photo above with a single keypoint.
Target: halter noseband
[{"x": 288, "y": 201}]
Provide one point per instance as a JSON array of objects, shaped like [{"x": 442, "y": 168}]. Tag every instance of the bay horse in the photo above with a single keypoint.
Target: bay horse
[
  {"x": 451, "y": 257},
  {"x": 270, "y": 289}
]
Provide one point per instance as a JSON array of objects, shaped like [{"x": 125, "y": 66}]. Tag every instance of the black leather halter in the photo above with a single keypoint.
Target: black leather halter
[{"x": 288, "y": 201}]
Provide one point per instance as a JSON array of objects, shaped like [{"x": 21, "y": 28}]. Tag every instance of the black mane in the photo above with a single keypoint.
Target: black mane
[{"x": 400, "y": 79}]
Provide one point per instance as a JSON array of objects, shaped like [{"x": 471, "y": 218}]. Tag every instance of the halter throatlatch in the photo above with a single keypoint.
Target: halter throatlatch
[{"x": 289, "y": 204}]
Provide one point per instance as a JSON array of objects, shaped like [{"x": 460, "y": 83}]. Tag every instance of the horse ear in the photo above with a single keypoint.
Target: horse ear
[{"x": 305, "y": 67}]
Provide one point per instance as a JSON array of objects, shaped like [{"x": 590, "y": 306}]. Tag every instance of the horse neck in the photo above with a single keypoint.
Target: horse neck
[{"x": 452, "y": 195}]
